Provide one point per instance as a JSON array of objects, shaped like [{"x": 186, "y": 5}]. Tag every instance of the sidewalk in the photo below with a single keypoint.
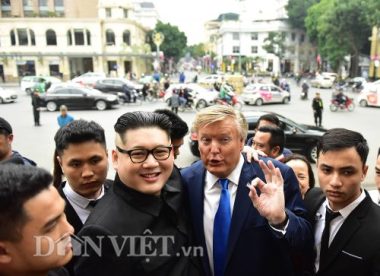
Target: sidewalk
[{"x": 9, "y": 84}]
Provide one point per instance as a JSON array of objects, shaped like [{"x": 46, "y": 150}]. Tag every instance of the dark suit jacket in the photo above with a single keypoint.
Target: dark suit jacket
[
  {"x": 71, "y": 215},
  {"x": 128, "y": 216},
  {"x": 355, "y": 249},
  {"x": 253, "y": 247}
]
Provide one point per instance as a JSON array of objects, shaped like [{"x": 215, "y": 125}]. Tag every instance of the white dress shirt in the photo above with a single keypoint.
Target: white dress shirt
[
  {"x": 80, "y": 203},
  {"x": 335, "y": 224},
  {"x": 212, "y": 191}
]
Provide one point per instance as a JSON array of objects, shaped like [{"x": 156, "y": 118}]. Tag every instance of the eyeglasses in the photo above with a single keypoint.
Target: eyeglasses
[{"x": 140, "y": 155}]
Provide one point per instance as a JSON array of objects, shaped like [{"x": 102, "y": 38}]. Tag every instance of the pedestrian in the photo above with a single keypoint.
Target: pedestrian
[
  {"x": 64, "y": 118},
  {"x": 303, "y": 171},
  {"x": 7, "y": 154},
  {"x": 346, "y": 221},
  {"x": 175, "y": 101},
  {"x": 182, "y": 77},
  {"x": 317, "y": 106},
  {"x": 36, "y": 108},
  {"x": 143, "y": 223},
  {"x": 243, "y": 233},
  {"x": 35, "y": 237}
]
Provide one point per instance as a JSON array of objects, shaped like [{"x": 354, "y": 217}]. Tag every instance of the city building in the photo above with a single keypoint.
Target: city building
[
  {"x": 66, "y": 38},
  {"x": 239, "y": 40}
]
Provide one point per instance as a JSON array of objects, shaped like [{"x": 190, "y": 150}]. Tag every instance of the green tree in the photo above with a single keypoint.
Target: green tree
[
  {"x": 275, "y": 44},
  {"x": 196, "y": 50},
  {"x": 297, "y": 12},
  {"x": 340, "y": 28},
  {"x": 174, "y": 43}
]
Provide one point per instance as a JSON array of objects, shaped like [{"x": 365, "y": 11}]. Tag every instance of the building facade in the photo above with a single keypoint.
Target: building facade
[
  {"x": 66, "y": 38},
  {"x": 239, "y": 41}
]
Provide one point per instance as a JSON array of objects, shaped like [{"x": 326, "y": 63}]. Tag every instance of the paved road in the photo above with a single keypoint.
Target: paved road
[{"x": 37, "y": 142}]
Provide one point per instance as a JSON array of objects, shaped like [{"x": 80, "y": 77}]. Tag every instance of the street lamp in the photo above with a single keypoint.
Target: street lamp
[{"x": 158, "y": 38}]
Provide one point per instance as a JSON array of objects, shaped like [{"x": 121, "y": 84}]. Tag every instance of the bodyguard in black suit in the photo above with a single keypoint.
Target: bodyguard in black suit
[
  {"x": 346, "y": 222},
  {"x": 141, "y": 227},
  {"x": 81, "y": 156}
]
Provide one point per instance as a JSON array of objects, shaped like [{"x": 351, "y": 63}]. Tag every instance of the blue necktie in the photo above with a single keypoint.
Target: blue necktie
[{"x": 222, "y": 223}]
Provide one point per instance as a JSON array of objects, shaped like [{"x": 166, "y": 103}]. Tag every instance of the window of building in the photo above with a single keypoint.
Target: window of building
[
  {"x": 127, "y": 37},
  {"x": 25, "y": 37},
  {"x": 6, "y": 8},
  {"x": 51, "y": 38},
  {"x": 302, "y": 38},
  {"x": 28, "y": 8},
  {"x": 254, "y": 49},
  {"x": 293, "y": 36},
  {"x": 22, "y": 35},
  {"x": 254, "y": 36},
  {"x": 59, "y": 8},
  {"x": 43, "y": 7},
  {"x": 236, "y": 49},
  {"x": 110, "y": 37},
  {"x": 235, "y": 36},
  {"x": 125, "y": 12},
  {"x": 79, "y": 37},
  {"x": 13, "y": 38},
  {"x": 108, "y": 12}
]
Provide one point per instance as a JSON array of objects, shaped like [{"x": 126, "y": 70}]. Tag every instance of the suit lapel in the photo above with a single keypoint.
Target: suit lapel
[
  {"x": 349, "y": 227},
  {"x": 195, "y": 187},
  {"x": 242, "y": 206},
  {"x": 71, "y": 214}
]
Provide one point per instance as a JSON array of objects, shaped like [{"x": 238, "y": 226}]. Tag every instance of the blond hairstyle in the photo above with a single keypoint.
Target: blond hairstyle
[{"x": 216, "y": 113}]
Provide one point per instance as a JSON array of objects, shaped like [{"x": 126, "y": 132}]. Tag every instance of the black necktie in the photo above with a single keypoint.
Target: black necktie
[
  {"x": 330, "y": 215},
  {"x": 93, "y": 203}
]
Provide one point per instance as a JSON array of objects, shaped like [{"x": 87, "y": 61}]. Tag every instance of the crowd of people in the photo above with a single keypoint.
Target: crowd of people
[{"x": 245, "y": 208}]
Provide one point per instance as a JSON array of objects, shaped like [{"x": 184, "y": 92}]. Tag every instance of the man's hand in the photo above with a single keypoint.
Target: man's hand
[
  {"x": 252, "y": 154},
  {"x": 271, "y": 201}
]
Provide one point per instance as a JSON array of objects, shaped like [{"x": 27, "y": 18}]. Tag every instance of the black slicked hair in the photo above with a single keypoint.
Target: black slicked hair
[
  {"x": 18, "y": 184},
  {"x": 140, "y": 119},
  {"x": 277, "y": 136},
  {"x": 341, "y": 138},
  {"x": 75, "y": 132},
  {"x": 179, "y": 127}
]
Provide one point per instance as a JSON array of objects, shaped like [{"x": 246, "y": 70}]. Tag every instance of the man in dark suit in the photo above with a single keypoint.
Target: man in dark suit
[
  {"x": 142, "y": 226},
  {"x": 81, "y": 156},
  {"x": 243, "y": 236},
  {"x": 345, "y": 220}
]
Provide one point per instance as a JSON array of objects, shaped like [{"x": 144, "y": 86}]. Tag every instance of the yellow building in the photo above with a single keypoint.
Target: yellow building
[{"x": 70, "y": 37}]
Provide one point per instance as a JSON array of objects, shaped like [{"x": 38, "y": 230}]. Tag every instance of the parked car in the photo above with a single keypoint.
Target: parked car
[
  {"x": 118, "y": 87},
  {"x": 321, "y": 81},
  {"x": 7, "y": 96},
  {"x": 89, "y": 78},
  {"x": 202, "y": 97},
  {"x": 77, "y": 98},
  {"x": 261, "y": 93},
  {"x": 300, "y": 138},
  {"x": 211, "y": 79},
  {"x": 29, "y": 82},
  {"x": 370, "y": 95}
]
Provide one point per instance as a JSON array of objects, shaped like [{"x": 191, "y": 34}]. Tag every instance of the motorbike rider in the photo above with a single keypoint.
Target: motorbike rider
[
  {"x": 340, "y": 97},
  {"x": 223, "y": 93},
  {"x": 305, "y": 89}
]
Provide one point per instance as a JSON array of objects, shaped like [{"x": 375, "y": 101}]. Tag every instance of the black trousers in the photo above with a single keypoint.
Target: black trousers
[
  {"x": 318, "y": 117},
  {"x": 36, "y": 115}
]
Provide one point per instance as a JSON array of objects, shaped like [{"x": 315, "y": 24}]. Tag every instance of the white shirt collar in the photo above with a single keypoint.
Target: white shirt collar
[
  {"x": 346, "y": 211},
  {"x": 77, "y": 198},
  {"x": 233, "y": 177}
]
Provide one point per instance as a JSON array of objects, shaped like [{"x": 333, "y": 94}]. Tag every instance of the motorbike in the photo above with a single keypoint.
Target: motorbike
[
  {"x": 304, "y": 95},
  {"x": 234, "y": 102},
  {"x": 349, "y": 105}
]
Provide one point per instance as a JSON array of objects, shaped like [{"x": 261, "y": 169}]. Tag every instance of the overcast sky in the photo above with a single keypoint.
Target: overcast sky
[{"x": 190, "y": 15}]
